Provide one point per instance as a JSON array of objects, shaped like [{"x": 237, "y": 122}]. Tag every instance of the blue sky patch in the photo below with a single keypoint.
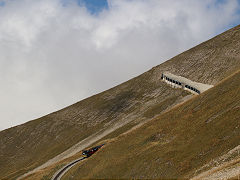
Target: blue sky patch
[
  {"x": 2, "y": 3},
  {"x": 94, "y": 6}
]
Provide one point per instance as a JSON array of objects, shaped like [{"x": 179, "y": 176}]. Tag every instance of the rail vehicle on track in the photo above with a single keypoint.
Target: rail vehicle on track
[{"x": 91, "y": 151}]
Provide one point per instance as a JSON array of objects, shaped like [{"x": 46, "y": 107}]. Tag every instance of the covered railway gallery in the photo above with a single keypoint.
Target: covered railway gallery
[{"x": 177, "y": 83}]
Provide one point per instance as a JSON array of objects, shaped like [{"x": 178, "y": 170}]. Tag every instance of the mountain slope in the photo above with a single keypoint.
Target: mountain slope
[
  {"x": 29, "y": 145},
  {"x": 174, "y": 144}
]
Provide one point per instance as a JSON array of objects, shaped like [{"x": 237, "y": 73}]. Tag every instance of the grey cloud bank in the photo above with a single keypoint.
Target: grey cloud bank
[{"x": 53, "y": 55}]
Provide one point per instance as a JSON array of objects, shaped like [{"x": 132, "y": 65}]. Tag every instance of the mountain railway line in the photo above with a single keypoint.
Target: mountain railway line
[
  {"x": 179, "y": 137},
  {"x": 59, "y": 174}
]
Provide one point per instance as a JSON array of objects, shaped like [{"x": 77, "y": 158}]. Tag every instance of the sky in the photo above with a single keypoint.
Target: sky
[
  {"x": 94, "y": 6},
  {"x": 54, "y": 53}
]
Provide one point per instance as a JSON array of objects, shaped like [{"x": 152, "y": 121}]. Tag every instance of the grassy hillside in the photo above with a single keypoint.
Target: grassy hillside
[
  {"x": 29, "y": 145},
  {"x": 174, "y": 144}
]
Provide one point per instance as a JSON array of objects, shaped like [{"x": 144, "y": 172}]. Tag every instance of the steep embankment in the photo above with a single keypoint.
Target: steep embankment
[
  {"x": 29, "y": 145},
  {"x": 176, "y": 143}
]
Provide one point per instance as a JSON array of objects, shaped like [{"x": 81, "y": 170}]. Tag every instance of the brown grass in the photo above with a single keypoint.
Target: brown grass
[{"x": 174, "y": 144}]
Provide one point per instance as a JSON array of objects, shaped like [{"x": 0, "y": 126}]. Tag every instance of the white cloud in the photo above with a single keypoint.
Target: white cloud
[{"x": 52, "y": 55}]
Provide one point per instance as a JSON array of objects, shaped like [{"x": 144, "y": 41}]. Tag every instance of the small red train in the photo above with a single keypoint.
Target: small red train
[{"x": 91, "y": 151}]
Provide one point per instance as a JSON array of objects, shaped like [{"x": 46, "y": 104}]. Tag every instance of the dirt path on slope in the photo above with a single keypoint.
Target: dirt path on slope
[
  {"x": 97, "y": 136},
  {"x": 82, "y": 145}
]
